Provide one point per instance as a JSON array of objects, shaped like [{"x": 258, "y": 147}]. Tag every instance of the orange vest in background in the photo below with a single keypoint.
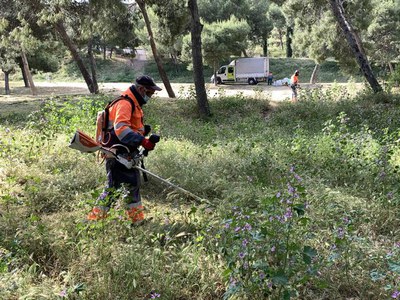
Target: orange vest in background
[{"x": 294, "y": 80}]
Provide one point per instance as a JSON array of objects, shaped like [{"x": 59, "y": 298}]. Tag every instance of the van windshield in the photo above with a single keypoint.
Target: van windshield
[{"x": 221, "y": 70}]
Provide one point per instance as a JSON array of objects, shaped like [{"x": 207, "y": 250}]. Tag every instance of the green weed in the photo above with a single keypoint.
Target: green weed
[{"x": 301, "y": 203}]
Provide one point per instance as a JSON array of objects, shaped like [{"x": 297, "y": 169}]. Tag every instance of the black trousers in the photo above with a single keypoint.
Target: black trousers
[{"x": 117, "y": 176}]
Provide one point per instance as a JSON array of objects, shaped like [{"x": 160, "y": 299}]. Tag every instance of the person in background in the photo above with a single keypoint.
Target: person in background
[
  {"x": 270, "y": 77},
  {"x": 127, "y": 132},
  {"x": 294, "y": 84}
]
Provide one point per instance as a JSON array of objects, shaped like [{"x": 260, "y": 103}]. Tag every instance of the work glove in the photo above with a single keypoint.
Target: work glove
[
  {"x": 147, "y": 144},
  {"x": 150, "y": 143},
  {"x": 147, "y": 129}
]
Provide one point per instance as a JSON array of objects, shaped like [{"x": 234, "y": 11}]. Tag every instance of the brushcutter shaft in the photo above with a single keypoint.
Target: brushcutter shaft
[{"x": 171, "y": 184}]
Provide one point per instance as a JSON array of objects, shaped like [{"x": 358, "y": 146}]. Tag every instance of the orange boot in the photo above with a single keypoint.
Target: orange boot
[
  {"x": 135, "y": 214},
  {"x": 97, "y": 213}
]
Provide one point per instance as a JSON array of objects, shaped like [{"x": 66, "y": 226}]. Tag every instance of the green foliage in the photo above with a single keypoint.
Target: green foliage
[
  {"x": 329, "y": 70},
  {"x": 267, "y": 249},
  {"x": 381, "y": 37},
  {"x": 220, "y": 40}
]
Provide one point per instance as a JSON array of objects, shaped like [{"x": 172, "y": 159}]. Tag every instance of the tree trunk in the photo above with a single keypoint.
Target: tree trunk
[
  {"x": 93, "y": 66},
  {"x": 92, "y": 62},
  {"x": 104, "y": 52},
  {"x": 265, "y": 47},
  {"x": 59, "y": 26},
  {"x": 197, "y": 58},
  {"x": 289, "y": 33},
  {"x": 390, "y": 67},
  {"x": 21, "y": 65},
  {"x": 6, "y": 82},
  {"x": 28, "y": 72},
  {"x": 355, "y": 45},
  {"x": 280, "y": 38},
  {"x": 160, "y": 67},
  {"x": 391, "y": 70},
  {"x": 215, "y": 73},
  {"x": 314, "y": 74}
]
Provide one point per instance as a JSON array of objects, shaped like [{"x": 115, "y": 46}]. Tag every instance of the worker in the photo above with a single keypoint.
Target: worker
[
  {"x": 127, "y": 129},
  {"x": 270, "y": 78},
  {"x": 294, "y": 84}
]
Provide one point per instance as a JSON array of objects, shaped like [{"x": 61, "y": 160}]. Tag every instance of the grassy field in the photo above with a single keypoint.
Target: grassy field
[
  {"x": 123, "y": 70},
  {"x": 301, "y": 202}
]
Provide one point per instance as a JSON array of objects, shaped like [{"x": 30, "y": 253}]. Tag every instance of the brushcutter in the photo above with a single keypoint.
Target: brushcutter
[{"x": 84, "y": 143}]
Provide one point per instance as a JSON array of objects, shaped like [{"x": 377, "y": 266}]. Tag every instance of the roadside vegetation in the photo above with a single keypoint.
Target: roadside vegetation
[
  {"x": 122, "y": 69},
  {"x": 301, "y": 202}
]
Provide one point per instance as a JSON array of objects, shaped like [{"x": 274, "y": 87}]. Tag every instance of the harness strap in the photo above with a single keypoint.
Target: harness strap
[{"x": 111, "y": 103}]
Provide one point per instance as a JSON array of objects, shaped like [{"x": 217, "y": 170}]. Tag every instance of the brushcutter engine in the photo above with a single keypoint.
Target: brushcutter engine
[{"x": 84, "y": 143}]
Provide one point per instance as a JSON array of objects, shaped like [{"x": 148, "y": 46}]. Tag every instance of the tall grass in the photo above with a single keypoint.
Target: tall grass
[{"x": 302, "y": 203}]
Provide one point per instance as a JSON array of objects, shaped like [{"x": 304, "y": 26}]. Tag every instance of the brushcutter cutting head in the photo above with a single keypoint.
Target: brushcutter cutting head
[{"x": 84, "y": 143}]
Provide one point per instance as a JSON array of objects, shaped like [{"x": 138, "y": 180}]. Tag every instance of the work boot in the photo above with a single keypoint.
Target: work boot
[
  {"x": 97, "y": 213},
  {"x": 135, "y": 214}
]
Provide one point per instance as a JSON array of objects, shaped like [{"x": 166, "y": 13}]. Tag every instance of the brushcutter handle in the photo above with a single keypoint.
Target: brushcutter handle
[{"x": 154, "y": 139}]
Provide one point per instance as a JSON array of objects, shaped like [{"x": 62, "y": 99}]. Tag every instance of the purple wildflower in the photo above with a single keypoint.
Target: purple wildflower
[
  {"x": 291, "y": 190},
  {"x": 154, "y": 295},
  {"x": 103, "y": 195},
  {"x": 245, "y": 242},
  {"x": 262, "y": 275},
  {"x": 278, "y": 195},
  {"x": 237, "y": 229},
  {"x": 242, "y": 255},
  {"x": 63, "y": 293},
  {"x": 280, "y": 219},
  {"x": 232, "y": 281},
  {"x": 273, "y": 249},
  {"x": 227, "y": 225},
  {"x": 397, "y": 244},
  {"x": 340, "y": 232},
  {"x": 396, "y": 294},
  {"x": 247, "y": 226},
  {"x": 298, "y": 178},
  {"x": 288, "y": 213}
]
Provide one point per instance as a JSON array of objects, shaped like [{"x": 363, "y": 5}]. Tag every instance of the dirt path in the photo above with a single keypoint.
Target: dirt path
[
  {"x": 278, "y": 93},
  {"x": 48, "y": 89}
]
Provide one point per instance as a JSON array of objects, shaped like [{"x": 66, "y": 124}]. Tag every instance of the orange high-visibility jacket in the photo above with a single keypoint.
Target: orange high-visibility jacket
[
  {"x": 294, "y": 80},
  {"x": 127, "y": 123}
]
